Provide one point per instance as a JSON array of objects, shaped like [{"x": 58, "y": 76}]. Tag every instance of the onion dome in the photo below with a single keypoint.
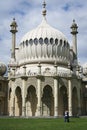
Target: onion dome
[
  {"x": 45, "y": 44},
  {"x": 3, "y": 69},
  {"x": 85, "y": 69},
  {"x": 44, "y": 30}
]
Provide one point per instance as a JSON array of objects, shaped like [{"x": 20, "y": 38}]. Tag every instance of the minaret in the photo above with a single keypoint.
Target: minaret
[
  {"x": 13, "y": 31},
  {"x": 74, "y": 38}
]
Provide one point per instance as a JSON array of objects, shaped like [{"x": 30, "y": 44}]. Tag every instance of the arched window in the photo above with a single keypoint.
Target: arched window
[
  {"x": 46, "y": 40},
  {"x": 31, "y": 41},
  {"x": 26, "y": 42},
  {"x": 35, "y": 41},
  {"x": 51, "y": 40},
  {"x": 41, "y": 40},
  {"x": 64, "y": 43},
  {"x": 56, "y": 41},
  {"x": 60, "y": 42},
  {"x": 23, "y": 43}
]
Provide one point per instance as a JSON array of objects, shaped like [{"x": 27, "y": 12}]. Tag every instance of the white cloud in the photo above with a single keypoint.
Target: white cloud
[{"x": 28, "y": 15}]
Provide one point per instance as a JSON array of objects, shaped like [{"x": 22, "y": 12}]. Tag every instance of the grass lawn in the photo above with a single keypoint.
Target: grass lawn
[{"x": 42, "y": 124}]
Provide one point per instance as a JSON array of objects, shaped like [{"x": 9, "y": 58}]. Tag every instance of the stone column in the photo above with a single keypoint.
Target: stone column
[
  {"x": 12, "y": 102},
  {"x": 39, "y": 76},
  {"x": 79, "y": 103},
  {"x": 70, "y": 97},
  {"x": 39, "y": 96},
  {"x": 55, "y": 96},
  {"x": 24, "y": 80},
  {"x": 23, "y": 97},
  {"x": 13, "y": 107}
]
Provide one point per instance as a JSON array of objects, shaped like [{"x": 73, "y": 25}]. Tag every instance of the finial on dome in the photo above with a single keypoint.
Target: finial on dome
[
  {"x": 73, "y": 20},
  {"x": 44, "y": 9},
  {"x": 13, "y": 19}
]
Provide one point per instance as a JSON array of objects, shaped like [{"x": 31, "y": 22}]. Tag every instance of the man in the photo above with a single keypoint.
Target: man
[{"x": 66, "y": 116}]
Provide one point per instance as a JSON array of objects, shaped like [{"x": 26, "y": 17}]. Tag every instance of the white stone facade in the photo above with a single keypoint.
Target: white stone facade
[
  {"x": 44, "y": 76},
  {"x": 44, "y": 95}
]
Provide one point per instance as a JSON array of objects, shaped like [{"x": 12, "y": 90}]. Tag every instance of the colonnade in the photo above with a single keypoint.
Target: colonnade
[{"x": 39, "y": 110}]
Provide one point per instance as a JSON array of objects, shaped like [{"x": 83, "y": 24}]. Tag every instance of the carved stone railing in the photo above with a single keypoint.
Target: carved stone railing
[{"x": 59, "y": 73}]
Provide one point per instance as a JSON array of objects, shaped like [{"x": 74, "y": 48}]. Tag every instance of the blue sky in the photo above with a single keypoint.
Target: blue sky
[{"x": 60, "y": 14}]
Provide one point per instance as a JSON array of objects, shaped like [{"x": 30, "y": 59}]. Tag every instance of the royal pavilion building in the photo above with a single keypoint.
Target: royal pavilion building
[{"x": 44, "y": 76}]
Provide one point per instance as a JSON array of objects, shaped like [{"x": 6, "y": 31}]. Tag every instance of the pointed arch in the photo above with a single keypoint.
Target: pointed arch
[
  {"x": 47, "y": 101},
  {"x": 74, "y": 101},
  {"x": 63, "y": 100},
  {"x": 18, "y": 101},
  {"x": 9, "y": 97},
  {"x": 31, "y": 101}
]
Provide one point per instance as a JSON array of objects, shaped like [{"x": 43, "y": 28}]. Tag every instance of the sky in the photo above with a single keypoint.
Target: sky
[{"x": 28, "y": 15}]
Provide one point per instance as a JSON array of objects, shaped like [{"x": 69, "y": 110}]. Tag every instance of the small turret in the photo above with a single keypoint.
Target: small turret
[
  {"x": 74, "y": 28},
  {"x": 13, "y": 26}
]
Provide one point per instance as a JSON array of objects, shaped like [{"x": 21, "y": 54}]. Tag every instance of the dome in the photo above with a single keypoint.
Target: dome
[
  {"x": 44, "y": 44},
  {"x": 44, "y": 30},
  {"x": 2, "y": 69},
  {"x": 85, "y": 69}
]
